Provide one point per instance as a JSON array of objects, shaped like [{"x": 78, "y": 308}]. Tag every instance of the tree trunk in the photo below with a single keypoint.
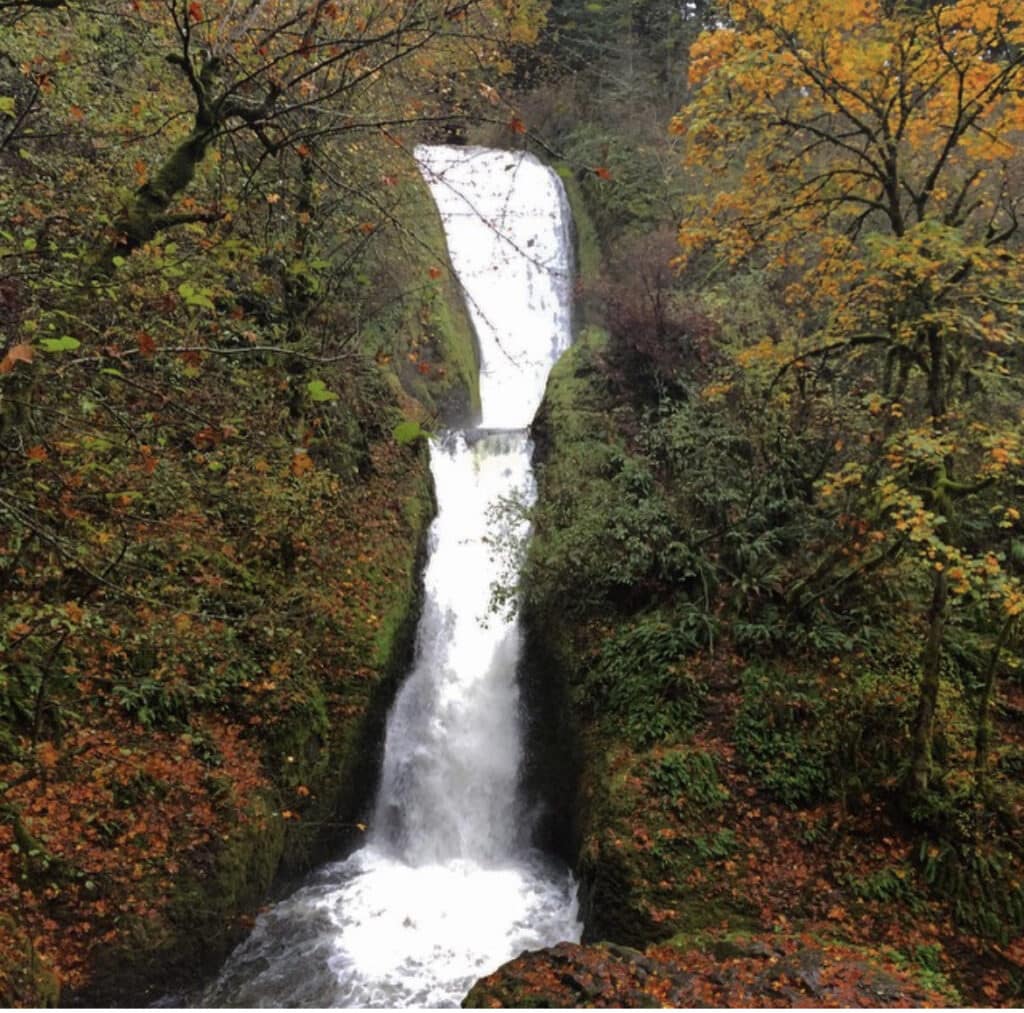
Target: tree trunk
[
  {"x": 983, "y": 731},
  {"x": 938, "y": 381},
  {"x": 298, "y": 294},
  {"x": 931, "y": 666},
  {"x": 145, "y": 215},
  {"x": 931, "y": 658}
]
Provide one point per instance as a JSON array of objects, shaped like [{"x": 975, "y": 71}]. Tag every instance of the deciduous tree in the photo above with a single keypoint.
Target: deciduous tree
[{"x": 870, "y": 159}]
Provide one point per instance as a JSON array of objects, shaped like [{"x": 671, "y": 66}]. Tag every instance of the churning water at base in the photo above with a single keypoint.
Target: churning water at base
[
  {"x": 447, "y": 887},
  {"x": 375, "y": 931}
]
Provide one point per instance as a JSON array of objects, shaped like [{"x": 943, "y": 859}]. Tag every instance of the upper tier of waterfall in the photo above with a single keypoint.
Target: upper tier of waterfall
[{"x": 508, "y": 228}]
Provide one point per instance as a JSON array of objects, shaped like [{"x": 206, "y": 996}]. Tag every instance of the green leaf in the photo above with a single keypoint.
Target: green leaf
[
  {"x": 7, "y": 105},
  {"x": 408, "y": 432},
  {"x": 62, "y": 344},
  {"x": 194, "y": 296},
  {"x": 318, "y": 391},
  {"x": 29, "y": 245}
]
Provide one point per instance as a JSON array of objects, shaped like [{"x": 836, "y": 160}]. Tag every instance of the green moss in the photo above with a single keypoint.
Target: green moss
[
  {"x": 206, "y": 907},
  {"x": 418, "y": 509},
  {"x": 924, "y": 963},
  {"x": 587, "y": 244},
  {"x": 457, "y": 347},
  {"x": 615, "y": 886},
  {"x": 426, "y": 332},
  {"x": 637, "y": 857},
  {"x": 709, "y": 935},
  {"x": 573, "y": 406}
]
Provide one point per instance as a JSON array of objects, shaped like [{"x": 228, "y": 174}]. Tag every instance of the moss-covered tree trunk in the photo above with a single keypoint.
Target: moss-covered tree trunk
[
  {"x": 983, "y": 730},
  {"x": 931, "y": 658},
  {"x": 931, "y": 673},
  {"x": 147, "y": 213}
]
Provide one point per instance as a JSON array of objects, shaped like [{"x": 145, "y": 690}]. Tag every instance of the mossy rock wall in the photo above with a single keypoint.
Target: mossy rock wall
[
  {"x": 590, "y": 774},
  {"x": 425, "y": 337},
  {"x": 553, "y": 760},
  {"x": 264, "y": 854}
]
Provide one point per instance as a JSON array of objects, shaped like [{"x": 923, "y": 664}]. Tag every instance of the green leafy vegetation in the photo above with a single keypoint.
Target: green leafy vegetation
[
  {"x": 690, "y": 779},
  {"x": 776, "y": 735},
  {"x": 639, "y": 684}
]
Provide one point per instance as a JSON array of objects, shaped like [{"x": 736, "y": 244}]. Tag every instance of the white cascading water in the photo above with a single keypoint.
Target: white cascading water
[{"x": 447, "y": 887}]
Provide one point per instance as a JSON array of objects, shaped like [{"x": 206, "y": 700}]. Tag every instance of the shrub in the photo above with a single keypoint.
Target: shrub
[
  {"x": 778, "y": 734},
  {"x": 688, "y": 780},
  {"x": 640, "y": 681},
  {"x": 600, "y": 532}
]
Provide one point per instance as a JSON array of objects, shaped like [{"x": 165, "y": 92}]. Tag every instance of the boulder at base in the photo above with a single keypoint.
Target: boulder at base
[{"x": 760, "y": 972}]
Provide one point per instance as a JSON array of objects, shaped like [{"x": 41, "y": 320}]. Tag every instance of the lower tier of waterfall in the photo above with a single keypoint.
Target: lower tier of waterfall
[
  {"x": 447, "y": 887},
  {"x": 375, "y": 932}
]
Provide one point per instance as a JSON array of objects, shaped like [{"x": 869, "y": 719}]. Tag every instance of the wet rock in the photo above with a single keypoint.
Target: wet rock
[
  {"x": 808, "y": 970},
  {"x": 726, "y": 949},
  {"x": 624, "y": 952}
]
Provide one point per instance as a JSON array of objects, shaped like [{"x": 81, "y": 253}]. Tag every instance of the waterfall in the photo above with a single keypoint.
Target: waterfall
[
  {"x": 447, "y": 886},
  {"x": 507, "y": 223}
]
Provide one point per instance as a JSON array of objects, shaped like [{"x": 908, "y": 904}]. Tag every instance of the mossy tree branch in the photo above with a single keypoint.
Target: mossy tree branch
[
  {"x": 229, "y": 95},
  {"x": 147, "y": 214}
]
